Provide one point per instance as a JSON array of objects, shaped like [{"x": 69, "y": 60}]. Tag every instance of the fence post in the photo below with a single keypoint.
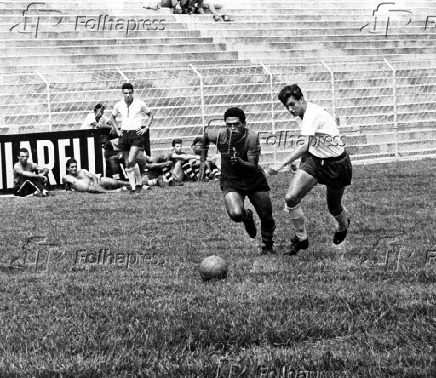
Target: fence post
[
  {"x": 203, "y": 115},
  {"x": 332, "y": 85},
  {"x": 273, "y": 122},
  {"x": 50, "y": 128},
  {"x": 122, "y": 75},
  {"x": 394, "y": 88}
]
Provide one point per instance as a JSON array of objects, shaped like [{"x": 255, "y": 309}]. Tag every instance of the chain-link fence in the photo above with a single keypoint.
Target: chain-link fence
[{"x": 385, "y": 110}]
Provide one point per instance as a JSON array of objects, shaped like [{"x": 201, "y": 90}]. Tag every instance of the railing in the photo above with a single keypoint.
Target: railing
[{"x": 386, "y": 110}]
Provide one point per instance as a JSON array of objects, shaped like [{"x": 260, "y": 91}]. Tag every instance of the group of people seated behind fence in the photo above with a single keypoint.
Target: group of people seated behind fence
[
  {"x": 171, "y": 169},
  {"x": 190, "y": 7}
]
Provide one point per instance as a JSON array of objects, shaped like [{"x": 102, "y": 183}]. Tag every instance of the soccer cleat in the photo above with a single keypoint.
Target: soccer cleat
[
  {"x": 249, "y": 224},
  {"x": 138, "y": 189},
  {"x": 38, "y": 194},
  {"x": 339, "y": 236},
  {"x": 297, "y": 245},
  {"x": 267, "y": 247}
]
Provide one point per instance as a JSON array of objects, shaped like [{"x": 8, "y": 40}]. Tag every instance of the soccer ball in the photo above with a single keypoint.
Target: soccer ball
[{"x": 213, "y": 267}]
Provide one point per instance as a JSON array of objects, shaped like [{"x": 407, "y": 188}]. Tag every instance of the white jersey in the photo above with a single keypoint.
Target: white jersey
[
  {"x": 131, "y": 116},
  {"x": 90, "y": 118},
  {"x": 320, "y": 124}
]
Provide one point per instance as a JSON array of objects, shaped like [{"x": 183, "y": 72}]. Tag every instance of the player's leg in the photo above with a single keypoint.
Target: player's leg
[
  {"x": 301, "y": 184},
  {"x": 110, "y": 183},
  {"x": 339, "y": 212},
  {"x": 234, "y": 202},
  {"x": 189, "y": 170},
  {"x": 134, "y": 173},
  {"x": 178, "y": 172},
  {"x": 262, "y": 203}
]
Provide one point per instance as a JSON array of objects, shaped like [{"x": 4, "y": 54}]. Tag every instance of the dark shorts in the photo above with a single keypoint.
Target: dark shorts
[
  {"x": 333, "y": 172},
  {"x": 28, "y": 187},
  {"x": 130, "y": 139},
  {"x": 246, "y": 187}
]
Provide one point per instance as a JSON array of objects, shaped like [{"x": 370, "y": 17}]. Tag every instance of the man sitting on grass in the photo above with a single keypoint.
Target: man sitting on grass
[
  {"x": 29, "y": 178},
  {"x": 83, "y": 181},
  {"x": 211, "y": 171},
  {"x": 180, "y": 160}
]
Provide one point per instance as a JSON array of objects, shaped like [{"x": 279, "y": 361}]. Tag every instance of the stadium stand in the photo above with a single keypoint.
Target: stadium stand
[{"x": 370, "y": 63}]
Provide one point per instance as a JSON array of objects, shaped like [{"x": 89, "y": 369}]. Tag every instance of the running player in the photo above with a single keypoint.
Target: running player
[
  {"x": 323, "y": 160},
  {"x": 131, "y": 133},
  {"x": 241, "y": 175}
]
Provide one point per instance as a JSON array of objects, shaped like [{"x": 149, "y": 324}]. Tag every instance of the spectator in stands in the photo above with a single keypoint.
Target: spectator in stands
[
  {"x": 96, "y": 119},
  {"x": 29, "y": 178},
  {"x": 131, "y": 133},
  {"x": 178, "y": 6},
  {"x": 211, "y": 171},
  {"x": 199, "y": 6},
  {"x": 180, "y": 160}
]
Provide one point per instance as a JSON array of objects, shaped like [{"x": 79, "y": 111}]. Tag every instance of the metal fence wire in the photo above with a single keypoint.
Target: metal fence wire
[{"x": 385, "y": 110}]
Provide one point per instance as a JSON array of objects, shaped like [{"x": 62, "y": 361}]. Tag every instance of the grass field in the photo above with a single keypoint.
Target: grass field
[{"x": 107, "y": 285}]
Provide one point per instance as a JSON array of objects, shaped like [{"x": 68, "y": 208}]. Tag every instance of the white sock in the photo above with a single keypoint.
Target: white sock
[
  {"x": 298, "y": 220},
  {"x": 131, "y": 175},
  {"x": 342, "y": 219},
  {"x": 137, "y": 174}
]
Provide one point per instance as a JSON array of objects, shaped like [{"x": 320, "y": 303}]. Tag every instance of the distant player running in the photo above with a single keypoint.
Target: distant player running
[
  {"x": 83, "y": 181},
  {"x": 241, "y": 175},
  {"x": 323, "y": 160}
]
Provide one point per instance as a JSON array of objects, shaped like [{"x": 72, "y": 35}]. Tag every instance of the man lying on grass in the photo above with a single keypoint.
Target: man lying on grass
[{"x": 83, "y": 181}]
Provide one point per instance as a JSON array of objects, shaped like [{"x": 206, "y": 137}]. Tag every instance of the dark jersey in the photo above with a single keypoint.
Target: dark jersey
[{"x": 246, "y": 147}]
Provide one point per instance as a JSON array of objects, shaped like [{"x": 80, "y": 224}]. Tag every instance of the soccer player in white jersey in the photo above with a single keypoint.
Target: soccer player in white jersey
[
  {"x": 323, "y": 160},
  {"x": 131, "y": 133}
]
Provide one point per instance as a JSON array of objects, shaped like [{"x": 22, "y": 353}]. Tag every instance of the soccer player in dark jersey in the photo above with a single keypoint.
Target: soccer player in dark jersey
[{"x": 241, "y": 175}]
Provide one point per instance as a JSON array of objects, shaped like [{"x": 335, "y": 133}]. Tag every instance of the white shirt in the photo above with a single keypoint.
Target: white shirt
[
  {"x": 131, "y": 116},
  {"x": 90, "y": 118},
  {"x": 326, "y": 141}
]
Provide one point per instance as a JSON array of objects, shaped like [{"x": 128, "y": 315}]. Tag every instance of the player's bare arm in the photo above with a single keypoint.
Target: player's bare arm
[
  {"x": 208, "y": 136},
  {"x": 297, "y": 153},
  {"x": 24, "y": 173},
  {"x": 143, "y": 130},
  {"x": 68, "y": 181},
  {"x": 165, "y": 164},
  {"x": 252, "y": 157},
  {"x": 116, "y": 127}
]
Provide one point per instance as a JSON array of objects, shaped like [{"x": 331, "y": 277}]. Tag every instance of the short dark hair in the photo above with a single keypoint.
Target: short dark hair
[
  {"x": 196, "y": 140},
  {"x": 290, "y": 90},
  {"x": 235, "y": 112},
  {"x": 99, "y": 106},
  {"x": 24, "y": 150},
  {"x": 176, "y": 141},
  {"x": 71, "y": 161},
  {"x": 127, "y": 86}
]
